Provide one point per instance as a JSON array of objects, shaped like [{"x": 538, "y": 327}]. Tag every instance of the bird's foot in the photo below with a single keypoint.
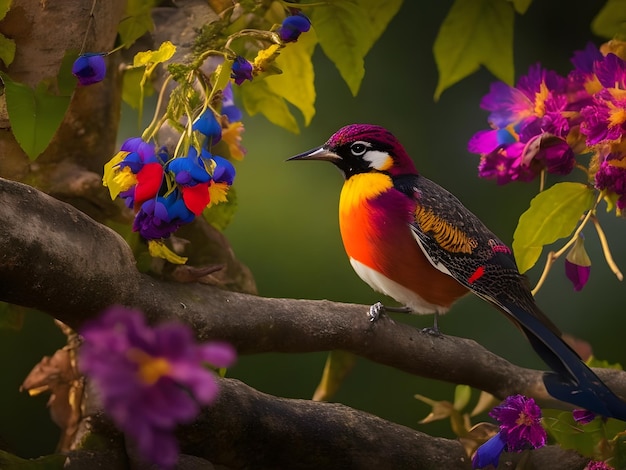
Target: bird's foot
[
  {"x": 432, "y": 330},
  {"x": 375, "y": 311},
  {"x": 378, "y": 309}
]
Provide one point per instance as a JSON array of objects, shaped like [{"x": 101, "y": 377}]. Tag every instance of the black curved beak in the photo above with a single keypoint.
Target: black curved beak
[{"x": 318, "y": 153}]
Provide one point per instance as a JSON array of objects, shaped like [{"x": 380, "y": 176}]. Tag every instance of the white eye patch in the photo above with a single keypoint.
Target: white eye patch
[{"x": 378, "y": 160}]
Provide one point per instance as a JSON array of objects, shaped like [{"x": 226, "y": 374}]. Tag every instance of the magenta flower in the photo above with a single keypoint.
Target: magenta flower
[
  {"x": 583, "y": 416},
  {"x": 293, "y": 26},
  {"x": 241, "y": 71},
  {"x": 611, "y": 177},
  {"x": 520, "y": 429},
  {"x": 150, "y": 379},
  {"x": 89, "y": 68},
  {"x": 597, "y": 465}
]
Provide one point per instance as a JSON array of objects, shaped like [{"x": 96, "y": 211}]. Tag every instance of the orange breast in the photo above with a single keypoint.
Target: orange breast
[{"x": 374, "y": 220}]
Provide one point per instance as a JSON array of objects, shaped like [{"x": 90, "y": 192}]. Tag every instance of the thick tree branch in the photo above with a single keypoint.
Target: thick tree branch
[{"x": 58, "y": 260}]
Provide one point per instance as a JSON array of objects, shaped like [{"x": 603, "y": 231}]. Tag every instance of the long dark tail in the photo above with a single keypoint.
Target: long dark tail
[{"x": 573, "y": 382}]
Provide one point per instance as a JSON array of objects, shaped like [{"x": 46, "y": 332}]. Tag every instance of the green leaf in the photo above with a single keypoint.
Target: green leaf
[
  {"x": 48, "y": 462},
  {"x": 296, "y": 83},
  {"x": 347, "y": 30},
  {"x": 7, "y": 50},
  {"x": 165, "y": 52},
  {"x": 5, "y": 6},
  {"x": 220, "y": 215},
  {"x": 137, "y": 21},
  {"x": 11, "y": 316},
  {"x": 66, "y": 81},
  {"x": 462, "y": 395},
  {"x": 475, "y": 33},
  {"x": 610, "y": 22},
  {"x": 257, "y": 97},
  {"x": 553, "y": 214},
  {"x": 521, "y": 5},
  {"x": 34, "y": 114},
  {"x": 338, "y": 365},
  {"x": 586, "y": 439},
  {"x": 131, "y": 87}
]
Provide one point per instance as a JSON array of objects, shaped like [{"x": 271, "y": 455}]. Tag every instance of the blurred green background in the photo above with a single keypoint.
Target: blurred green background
[{"x": 286, "y": 228}]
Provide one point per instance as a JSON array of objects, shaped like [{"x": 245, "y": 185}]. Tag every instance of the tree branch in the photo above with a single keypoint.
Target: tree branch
[{"x": 56, "y": 259}]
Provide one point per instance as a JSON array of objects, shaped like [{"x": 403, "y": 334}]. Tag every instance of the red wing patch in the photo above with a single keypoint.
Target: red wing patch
[{"x": 476, "y": 275}]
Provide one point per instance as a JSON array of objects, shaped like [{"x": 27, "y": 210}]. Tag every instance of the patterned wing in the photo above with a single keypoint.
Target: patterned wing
[{"x": 459, "y": 244}]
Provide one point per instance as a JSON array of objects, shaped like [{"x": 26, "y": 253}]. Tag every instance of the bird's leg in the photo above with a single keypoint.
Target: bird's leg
[
  {"x": 434, "y": 330},
  {"x": 378, "y": 308}
]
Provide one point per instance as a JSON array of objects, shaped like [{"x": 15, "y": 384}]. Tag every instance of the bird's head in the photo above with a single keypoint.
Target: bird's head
[{"x": 363, "y": 148}]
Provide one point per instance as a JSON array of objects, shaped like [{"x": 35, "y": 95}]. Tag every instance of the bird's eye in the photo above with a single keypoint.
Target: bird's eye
[{"x": 358, "y": 149}]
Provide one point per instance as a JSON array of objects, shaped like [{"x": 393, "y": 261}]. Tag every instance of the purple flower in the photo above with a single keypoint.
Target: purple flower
[
  {"x": 520, "y": 423},
  {"x": 241, "y": 71},
  {"x": 224, "y": 171},
  {"x": 520, "y": 428},
  {"x": 150, "y": 379},
  {"x": 583, "y": 416},
  {"x": 597, "y": 465},
  {"x": 208, "y": 125},
  {"x": 505, "y": 164},
  {"x": 529, "y": 129},
  {"x": 611, "y": 177},
  {"x": 161, "y": 216},
  {"x": 139, "y": 154},
  {"x": 578, "y": 264},
  {"x": 293, "y": 26},
  {"x": 232, "y": 112},
  {"x": 89, "y": 68},
  {"x": 579, "y": 275}
]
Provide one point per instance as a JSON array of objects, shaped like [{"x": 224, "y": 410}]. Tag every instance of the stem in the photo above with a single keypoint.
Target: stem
[
  {"x": 151, "y": 129},
  {"x": 93, "y": 8},
  {"x": 606, "y": 250}
]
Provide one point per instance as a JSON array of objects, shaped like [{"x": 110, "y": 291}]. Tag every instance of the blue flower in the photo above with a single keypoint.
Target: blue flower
[
  {"x": 232, "y": 112},
  {"x": 293, "y": 26},
  {"x": 189, "y": 170},
  {"x": 89, "y": 68},
  {"x": 241, "y": 71},
  {"x": 208, "y": 125},
  {"x": 224, "y": 171}
]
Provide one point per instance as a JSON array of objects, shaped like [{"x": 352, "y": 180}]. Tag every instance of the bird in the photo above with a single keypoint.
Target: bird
[{"x": 414, "y": 241}]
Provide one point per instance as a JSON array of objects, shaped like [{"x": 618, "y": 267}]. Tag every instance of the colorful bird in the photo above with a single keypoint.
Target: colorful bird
[{"x": 412, "y": 240}]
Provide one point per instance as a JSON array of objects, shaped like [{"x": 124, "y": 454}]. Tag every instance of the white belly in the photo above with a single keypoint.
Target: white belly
[{"x": 381, "y": 283}]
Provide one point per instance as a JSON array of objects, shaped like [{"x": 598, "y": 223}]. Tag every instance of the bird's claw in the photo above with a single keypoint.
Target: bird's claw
[
  {"x": 431, "y": 330},
  {"x": 375, "y": 311}
]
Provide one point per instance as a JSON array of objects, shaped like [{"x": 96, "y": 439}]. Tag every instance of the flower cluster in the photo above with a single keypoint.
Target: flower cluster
[
  {"x": 520, "y": 429},
  {"x": 89, "y": 68},
  {"x": 150, "y": 379},
  {"x": 548, "y": 122},
  {"x": 166, "y": 192}
]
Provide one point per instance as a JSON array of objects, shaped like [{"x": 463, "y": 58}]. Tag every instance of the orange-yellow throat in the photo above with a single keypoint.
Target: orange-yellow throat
[{"x": 358, "y": 218}]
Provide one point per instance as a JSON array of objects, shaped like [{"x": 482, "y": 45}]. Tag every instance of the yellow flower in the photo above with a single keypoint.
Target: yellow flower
[
  {"x": 265, "y": 58},
  {"x": 218, "y": 193},
  {"x": 116, "y": 179},
  {"x": 232, "y": 137}
]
